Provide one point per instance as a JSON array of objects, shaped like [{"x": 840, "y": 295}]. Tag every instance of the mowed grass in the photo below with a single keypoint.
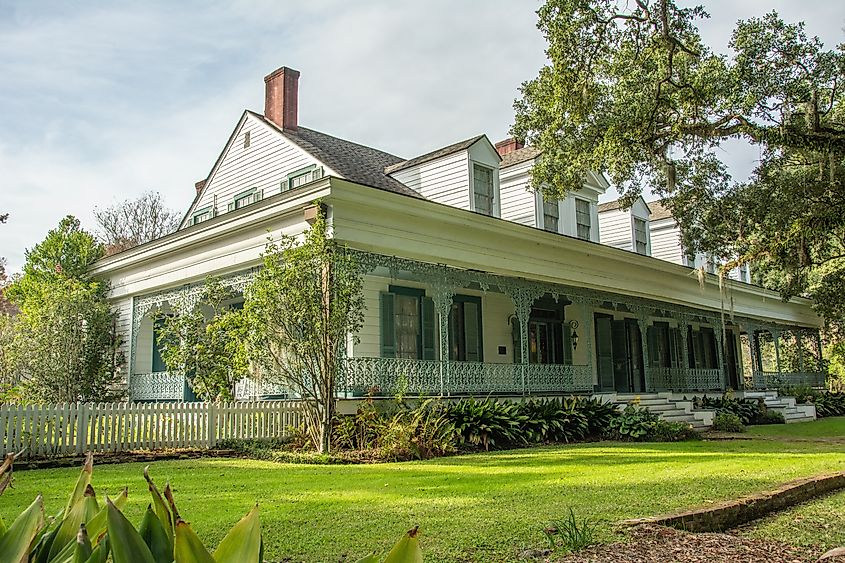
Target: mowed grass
[
  {"x": 819, "y": 523},
  {"x": 481, "y": 507},
  {"x": 833, "y": 427}
]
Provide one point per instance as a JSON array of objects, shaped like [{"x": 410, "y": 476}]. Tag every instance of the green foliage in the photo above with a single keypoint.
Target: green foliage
[
  {"x": 633, "y": 423},
  {"x": 771, "y": 417},
  {"x": 487, "y": 424},
  {"x": 830, "y": 404},
  {"x": 210, "y": 351},
  {"x": 632, "y": 90},
  {"x": 570, "y": 534},
  {"x": 727, "y": 422},
  {"x": 749, "y": 411},
  {"x": 553, "y": 420},
  {"x": 300, "y": 309},
  {"x": 665, "y": 431},
  {"x": 801, "y": 393}
]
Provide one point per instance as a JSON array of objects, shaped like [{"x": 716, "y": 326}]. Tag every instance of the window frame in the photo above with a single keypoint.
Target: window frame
[
  {"x": 208, "y": 209},
  {"x": 287, "y": 183},
  {"x": 634, "y": 241},
  {"x": 235, "y": 204},
  {"x": 589, "y": 215},
  {"x": 474, "y": 193},
  {"x": 543, "y": 214},
  {"x": 461, "y": 299}
]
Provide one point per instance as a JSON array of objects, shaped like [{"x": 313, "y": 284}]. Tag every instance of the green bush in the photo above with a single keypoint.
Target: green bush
[
  {"x": 771, "y": 417},
  {"x": 666, "y": 431},
  {"x": 487, "y": 424},
  {"x": 553, "y": 420},
  {"x": 598, "y": 414},
  {"x": 748, "y": 410},
  {"x": 829, "y": 404},
  {"x": 632, "y": 424},
  {"x": 802, "y": 393},
  {"x": 728, "y": 422}
]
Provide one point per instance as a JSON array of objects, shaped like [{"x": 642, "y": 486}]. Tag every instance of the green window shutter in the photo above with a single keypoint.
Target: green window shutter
[
  {"x": 654, "y": 352},
  {"x": 604, "y": 351},
  {"x": 428, "y": 329},
  {"x": 472, "y": 331},
  {"x": 517, "y": 346},
  {"x": 675, "y": 346},
  {"x": 388, "y": 328}
]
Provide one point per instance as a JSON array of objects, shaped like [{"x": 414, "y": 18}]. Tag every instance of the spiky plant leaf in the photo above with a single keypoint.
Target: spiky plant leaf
[
  {"x": 82, "y": 549},
  {"x": 371, "y": 558},
  {"x": 243, "y": 542},
  {"x": 81, "y": 512},
  {"x": 188, "y": 547},
  {"x": 100, "y": 554},
  {"x": 16, "y": 542},
  {"x": 81, "y": 483},
  {"x": 160, "y": 506},
  {"x": 155, "y": 536},
  {"x": 96, "y": 527},
  {"x": 126, "y": 543},
  {"x": 407, "y": 549}
]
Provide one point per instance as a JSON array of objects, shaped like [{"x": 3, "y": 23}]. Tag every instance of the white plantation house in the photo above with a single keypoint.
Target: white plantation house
[{"x": 473, "y": 285}]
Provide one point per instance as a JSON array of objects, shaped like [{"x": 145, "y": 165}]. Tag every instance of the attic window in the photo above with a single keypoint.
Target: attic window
[
  {"x": 301, "y": 177},
  {"x": 482, "y": 187},
  {"x": 201, "y": 215},
  {"x": 245, "y": 198},
  {"x": 246, "y": 140},
  {"x": 640, "y": 236},
  {"x": 583, "y": 218},
  {"x": 551, "y": 215}
]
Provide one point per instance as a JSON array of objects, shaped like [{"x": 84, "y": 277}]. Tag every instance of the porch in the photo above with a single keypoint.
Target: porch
[{"x": 432, "y": 329}]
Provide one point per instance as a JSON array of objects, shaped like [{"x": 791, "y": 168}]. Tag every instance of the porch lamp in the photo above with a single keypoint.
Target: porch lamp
[{"x": 573, "y": 324}]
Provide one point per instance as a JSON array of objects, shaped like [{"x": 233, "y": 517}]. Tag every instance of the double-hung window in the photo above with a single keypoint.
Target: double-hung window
[
  {"x": 301, "y": 177},
  {"x": 551, "y": 215},
  {"x": 583, "y": 218},
  {"x": 482, "y": 188},
  {"x": 640, "y": 236}
]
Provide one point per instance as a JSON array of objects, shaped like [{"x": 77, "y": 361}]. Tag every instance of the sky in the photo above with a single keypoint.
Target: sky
[{"x": 100, "y": 102}]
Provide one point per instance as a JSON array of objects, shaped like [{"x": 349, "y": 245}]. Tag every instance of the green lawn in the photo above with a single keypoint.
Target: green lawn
[
  {"x": 833, "y": 427},
  {"x": 483, "y": 507},
  {"x": 819, "y": 523}
]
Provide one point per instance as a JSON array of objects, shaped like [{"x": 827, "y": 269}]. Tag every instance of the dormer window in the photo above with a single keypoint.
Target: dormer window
[
  {"x": 640, "y": 236},
  {"x": 482, "y": 188},
  {"x": 201, "y": 215},
  {"x": 301, "y": 177},
  {"x": 551, "y": 216},
  {"x": 583, "y": 218}
]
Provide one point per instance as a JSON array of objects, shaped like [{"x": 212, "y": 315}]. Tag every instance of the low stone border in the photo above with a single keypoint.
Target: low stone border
[
  {"x": 122, "y": 457},
  {"x": 733, "y": 513}
]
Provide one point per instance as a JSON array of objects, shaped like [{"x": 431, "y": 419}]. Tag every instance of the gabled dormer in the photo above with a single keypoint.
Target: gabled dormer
[
  {"x": 463, "y": 175},
  {"x": 575, "y": 215},
  {"x": 626, "y": 228}
]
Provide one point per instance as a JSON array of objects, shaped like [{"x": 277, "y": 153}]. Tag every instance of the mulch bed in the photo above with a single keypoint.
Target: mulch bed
[
  {"x": 657, "y": 544},
  {"x": 123, "y": 457}
]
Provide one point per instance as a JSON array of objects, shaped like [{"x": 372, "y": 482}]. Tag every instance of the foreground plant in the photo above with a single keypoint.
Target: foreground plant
[{"x": 88, "y": 531}]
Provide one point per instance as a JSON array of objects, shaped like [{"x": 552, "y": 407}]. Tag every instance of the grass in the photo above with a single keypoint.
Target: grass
[
  {"x": 833, "y": 427},
  {"x": 814, "y": 524},
  {"x": 481, "y": 507}
]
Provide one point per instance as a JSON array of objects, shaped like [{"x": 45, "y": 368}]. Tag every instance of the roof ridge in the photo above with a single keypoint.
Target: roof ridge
[{"x": 431, "y": 155}]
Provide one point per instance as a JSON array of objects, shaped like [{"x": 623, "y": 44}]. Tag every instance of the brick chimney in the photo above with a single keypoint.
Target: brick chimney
[
  {"x": 508, "y": 145},
  {"x": 281, "y": 96},
  {"x": 199, "y": 185}
]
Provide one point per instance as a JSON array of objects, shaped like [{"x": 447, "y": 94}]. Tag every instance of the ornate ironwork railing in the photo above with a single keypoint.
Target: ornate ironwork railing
[
  {"x": 248, "y": 389},
  {"x": 776, "y": 380},
  {"x": 684, "y": 379},
  {"x": 389, "y": 376},
  {"x": 157, "y": 386}
]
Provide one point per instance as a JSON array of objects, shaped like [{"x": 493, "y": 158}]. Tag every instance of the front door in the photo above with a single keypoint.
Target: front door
[{"x": 619, "y": 355}]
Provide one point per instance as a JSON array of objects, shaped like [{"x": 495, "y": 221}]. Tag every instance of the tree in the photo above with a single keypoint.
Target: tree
[
  {"x": 66, "y": 345},
  {"x": 632, "y": 90},
  {"x": 133, "y": 222},
  {"x": 301, "y": 308},
  {"x": 210, "y": 352}
]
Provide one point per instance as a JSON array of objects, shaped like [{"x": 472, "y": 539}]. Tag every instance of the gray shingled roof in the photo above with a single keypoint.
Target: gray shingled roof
[
  {"x": 658, "y": 211},
  {"x": 616, "y": 204},
  {"x": 356, "y": 163},
  {"x": 445, "y": 151},
  {"x": 519, "y": 155}
]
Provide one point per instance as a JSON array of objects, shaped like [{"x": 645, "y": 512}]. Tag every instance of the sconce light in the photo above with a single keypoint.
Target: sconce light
[{"x": 573, "y": 324}]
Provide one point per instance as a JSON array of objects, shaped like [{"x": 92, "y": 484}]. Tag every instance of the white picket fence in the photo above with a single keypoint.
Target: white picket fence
[{"x": 75, "y": 428}]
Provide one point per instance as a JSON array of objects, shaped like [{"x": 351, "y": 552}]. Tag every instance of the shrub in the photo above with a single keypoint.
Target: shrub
[
  {"x": 598, "y": 414},
  {"x": 802, "y": 393},
  {"x": 553, "y": 420},
  {"x": 830, "y": 404},
  {"x": 728, "y": 422},
  {"x": 748, "y": 410},
  {"x": 632, "y": 424},
  {"x": 666, "y": 431},
  {"x": 420, "y": 433},
  {"x": 487, "y": 423},
  {"x": 570, "y": 534},
  {"x": 771, "y": 417}
]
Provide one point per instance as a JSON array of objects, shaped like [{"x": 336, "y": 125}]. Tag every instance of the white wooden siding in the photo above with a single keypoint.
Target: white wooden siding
[
  {"x": 666, "y": 241},
  {"x": 444, "y": 180},
  {"x": 483, "y": 153},
  {"x": 123, "y": 328},
  {"x": 615, "y": 229},
  {"x": 263, "y": 165},
  {"x": 518, "y": 202}
]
